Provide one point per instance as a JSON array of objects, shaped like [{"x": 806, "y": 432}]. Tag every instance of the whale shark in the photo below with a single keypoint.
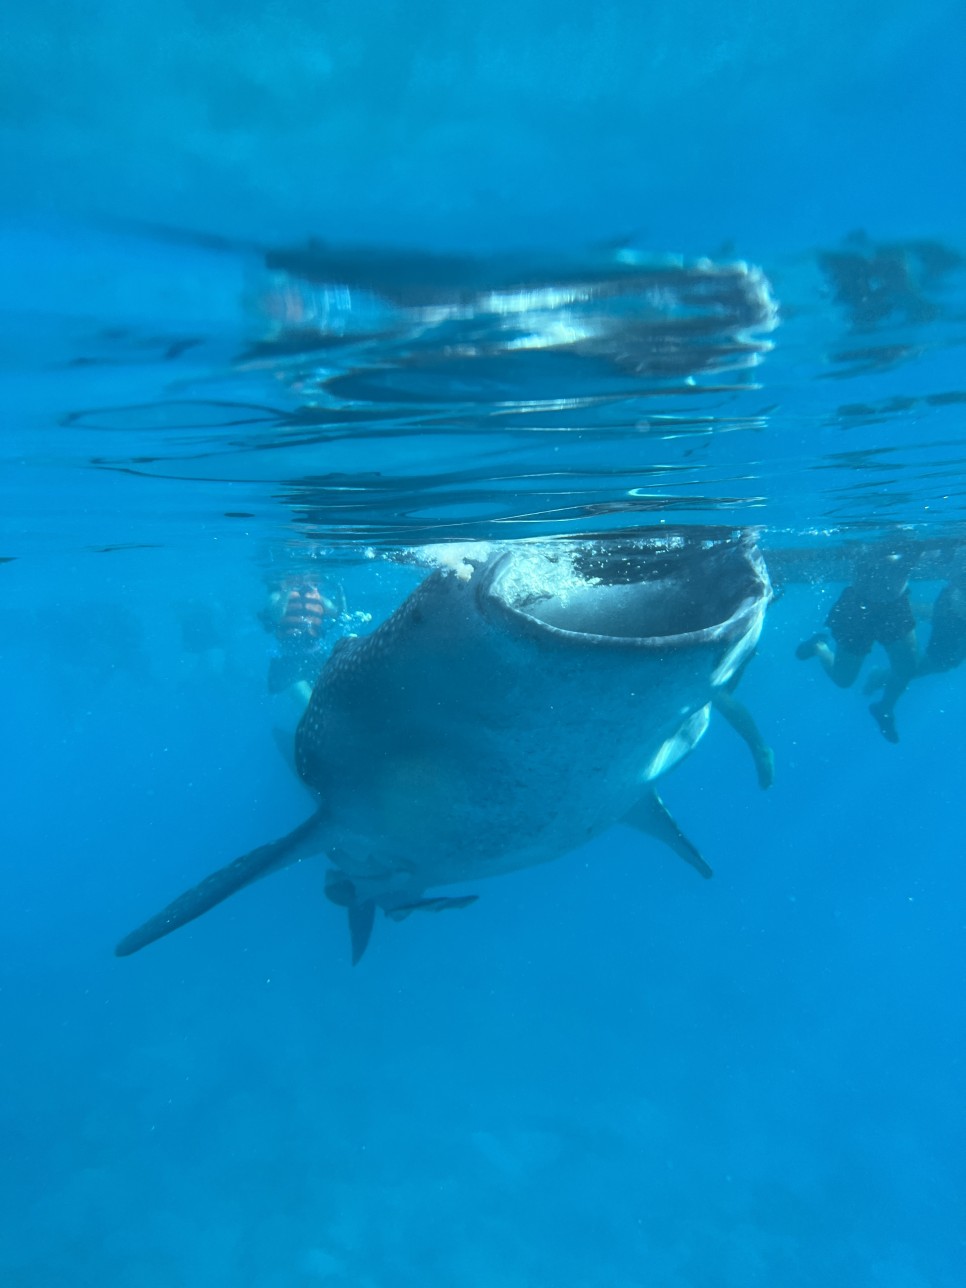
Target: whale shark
[{"x": 518, "y": 703}]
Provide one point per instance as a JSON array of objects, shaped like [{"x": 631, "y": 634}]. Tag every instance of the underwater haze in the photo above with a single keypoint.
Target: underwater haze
[{"x": 506, "y": 383}]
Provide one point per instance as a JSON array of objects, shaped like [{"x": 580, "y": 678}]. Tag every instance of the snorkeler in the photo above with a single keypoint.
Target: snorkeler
[
  {"x": 875, "y": 608},
  {"x": 947, "y": 640},
  {"x": 298, "y": 615},
  {"x": 946, "y": 649}
]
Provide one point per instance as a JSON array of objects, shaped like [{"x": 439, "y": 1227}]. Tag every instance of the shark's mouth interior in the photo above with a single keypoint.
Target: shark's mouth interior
[{"x": 649, "y": 593}]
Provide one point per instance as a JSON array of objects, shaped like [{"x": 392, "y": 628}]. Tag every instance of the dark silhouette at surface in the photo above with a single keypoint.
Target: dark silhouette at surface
[
  {"x": 887, "y": 282},
  {"x": 873, "y": 609}
]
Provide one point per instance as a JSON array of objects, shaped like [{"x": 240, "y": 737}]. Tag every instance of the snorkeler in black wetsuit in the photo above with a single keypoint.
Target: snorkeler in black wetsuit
[
  {"x": 947, "y": 642},
  {"x": 875, "y": 608},
  {"x": 946, "y": 648}
]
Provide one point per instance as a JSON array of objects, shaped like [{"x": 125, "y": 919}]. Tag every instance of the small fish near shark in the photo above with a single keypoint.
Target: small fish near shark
[{"x": 515, "y": 705}]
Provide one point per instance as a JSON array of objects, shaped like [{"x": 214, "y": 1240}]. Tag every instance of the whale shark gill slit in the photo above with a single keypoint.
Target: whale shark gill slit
[{"x": 227, "y": 881}]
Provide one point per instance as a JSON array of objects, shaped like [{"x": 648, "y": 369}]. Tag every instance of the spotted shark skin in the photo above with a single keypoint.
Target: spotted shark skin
[{"x": 508, "y": 711}]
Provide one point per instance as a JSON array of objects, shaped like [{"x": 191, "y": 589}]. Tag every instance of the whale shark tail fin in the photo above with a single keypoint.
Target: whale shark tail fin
[
  {"x": 226, "y": 881},
  {"x": 652, "y": 816}
]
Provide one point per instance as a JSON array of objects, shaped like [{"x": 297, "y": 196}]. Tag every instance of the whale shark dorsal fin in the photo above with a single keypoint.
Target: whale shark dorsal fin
[
  {"x": 652, "y": 816},
  {"x": 225, "y": 882}
]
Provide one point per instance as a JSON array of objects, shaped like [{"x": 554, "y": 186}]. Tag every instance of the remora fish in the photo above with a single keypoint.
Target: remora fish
[{"x": 505, "y": 713}]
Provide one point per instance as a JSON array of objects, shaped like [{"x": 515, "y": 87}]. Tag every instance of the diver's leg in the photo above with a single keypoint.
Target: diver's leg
[
  {"x": 841, "y": 666},
  {"x": 903, "y": 661},
  {"x": 743, "y": 723},
  {"x": 808, "y": 648},
  {"x": 876, "y": 681},
  {"x": 946, "y": 648},
  {"x": 932, "y": 666}
]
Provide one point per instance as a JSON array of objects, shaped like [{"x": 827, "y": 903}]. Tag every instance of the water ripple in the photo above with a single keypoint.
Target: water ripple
[{"x": 383, "y": 396}]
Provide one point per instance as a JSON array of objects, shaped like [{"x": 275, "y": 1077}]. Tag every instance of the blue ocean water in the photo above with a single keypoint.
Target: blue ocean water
[{"x": 311, "y": 292}]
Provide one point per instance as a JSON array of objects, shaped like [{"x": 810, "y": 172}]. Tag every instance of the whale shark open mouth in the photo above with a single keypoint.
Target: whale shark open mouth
[{"x": 643, "y": 595}]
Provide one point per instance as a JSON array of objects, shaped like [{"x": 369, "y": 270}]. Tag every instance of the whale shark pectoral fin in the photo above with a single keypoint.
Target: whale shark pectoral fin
[
  {"x": 361, "y": 919},
  {"x": 441, "y": 904},
  {"x": 226, "y": 881},
  {"x": 652, "y": 816}
]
